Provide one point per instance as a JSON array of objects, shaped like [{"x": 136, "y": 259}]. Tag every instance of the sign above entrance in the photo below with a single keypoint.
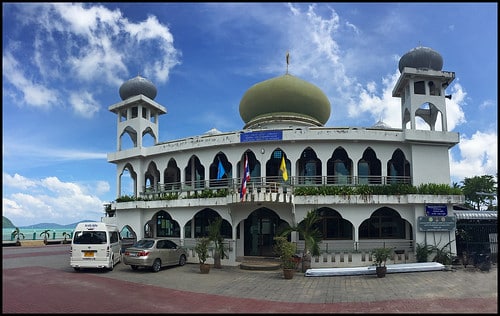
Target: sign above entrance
[
  {"x": 436, "y": 210},
  {"x": 436, "y": 223},
  {"x": 260, "y": 136}
]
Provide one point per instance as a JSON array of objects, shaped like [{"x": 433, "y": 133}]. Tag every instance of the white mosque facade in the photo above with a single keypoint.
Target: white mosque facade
[{"x": 345, "y": 174}]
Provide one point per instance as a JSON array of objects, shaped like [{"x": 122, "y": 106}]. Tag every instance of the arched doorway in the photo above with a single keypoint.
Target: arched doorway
[{"x": 261, "y": 226}]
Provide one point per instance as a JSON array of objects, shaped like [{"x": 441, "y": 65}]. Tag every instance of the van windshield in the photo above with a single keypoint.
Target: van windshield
[{"x": 90, "y": 237}]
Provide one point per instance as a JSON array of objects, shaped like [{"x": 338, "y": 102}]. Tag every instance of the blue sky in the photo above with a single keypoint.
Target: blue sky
[{"x": 63, "y": 65}]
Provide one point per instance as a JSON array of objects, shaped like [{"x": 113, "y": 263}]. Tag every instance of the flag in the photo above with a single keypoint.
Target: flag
[
  {"x": 244, "y": 180},
  {"x": 220, "y": 172},
  {"x": 284, "y": 173}
]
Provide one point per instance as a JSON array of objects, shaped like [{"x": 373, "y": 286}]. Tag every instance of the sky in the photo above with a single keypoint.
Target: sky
[{"x": 63, "y": 65}]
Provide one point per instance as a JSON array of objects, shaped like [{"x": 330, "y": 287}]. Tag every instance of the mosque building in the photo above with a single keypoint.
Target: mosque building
[{"x": 285, "y": 162}]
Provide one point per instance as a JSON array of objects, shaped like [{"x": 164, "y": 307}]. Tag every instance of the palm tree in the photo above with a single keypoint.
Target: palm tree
[
  {"x": 311, "y": 234},
  {"x": 65, "y": 234},
  {"x": 215, "y": 236},
  {"x": 17, "y": 233},
  {"x": 46, "y": 234}
]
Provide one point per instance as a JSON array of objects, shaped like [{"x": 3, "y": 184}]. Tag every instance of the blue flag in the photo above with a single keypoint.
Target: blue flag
[{"x": 221, "y": 172}]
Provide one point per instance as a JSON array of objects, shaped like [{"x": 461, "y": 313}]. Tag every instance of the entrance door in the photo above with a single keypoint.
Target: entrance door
[{"x": 260, "y": 229}]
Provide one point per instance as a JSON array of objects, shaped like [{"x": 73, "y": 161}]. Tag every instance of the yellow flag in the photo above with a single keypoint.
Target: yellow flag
[{"x": 283, "y": 169}]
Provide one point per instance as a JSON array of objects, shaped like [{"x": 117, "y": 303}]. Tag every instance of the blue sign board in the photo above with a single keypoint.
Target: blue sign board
[
  {"x": 260, "y": 136},
  {"x": 436, "y": 210}
]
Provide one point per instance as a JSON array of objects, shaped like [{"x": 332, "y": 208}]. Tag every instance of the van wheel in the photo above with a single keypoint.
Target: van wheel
[
  {"x": 156, "y": 265},
  {"x": 135, "y": 267},
  {"x": 76, "y": 269},
  {"x": 112, "y": 263}
]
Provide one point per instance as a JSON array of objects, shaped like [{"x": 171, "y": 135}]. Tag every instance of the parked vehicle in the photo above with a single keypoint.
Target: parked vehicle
[
  {"x": 95, "y": 245},
  {"x": 154, "y": 253}
]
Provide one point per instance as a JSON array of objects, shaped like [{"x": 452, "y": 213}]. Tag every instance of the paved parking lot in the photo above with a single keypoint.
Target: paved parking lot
[{"x": 40, "y": 280}]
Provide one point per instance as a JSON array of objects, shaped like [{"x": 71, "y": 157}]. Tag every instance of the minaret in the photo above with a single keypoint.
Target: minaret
[
  {"x": 422, "y": 86},
  {"x": 137, "y": 114}
]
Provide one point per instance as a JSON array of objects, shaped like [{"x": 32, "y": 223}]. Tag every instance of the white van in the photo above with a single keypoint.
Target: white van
[{"x": 95, "y": 245}]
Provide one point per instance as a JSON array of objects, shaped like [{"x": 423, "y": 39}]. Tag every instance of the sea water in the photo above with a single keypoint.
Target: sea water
[{"x": 34, "y": 234}]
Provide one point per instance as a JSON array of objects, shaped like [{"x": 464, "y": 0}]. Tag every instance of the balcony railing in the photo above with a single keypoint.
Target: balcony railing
[{"x": 265, "y": 184}]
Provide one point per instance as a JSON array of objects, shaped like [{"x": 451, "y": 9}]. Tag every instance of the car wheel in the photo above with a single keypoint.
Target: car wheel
[
  {"x": 135, "y": 267},
  {"x": 156, "y": 265},
  {"x": 182, "y": 260},
  {"x": 76, "y": 269}
]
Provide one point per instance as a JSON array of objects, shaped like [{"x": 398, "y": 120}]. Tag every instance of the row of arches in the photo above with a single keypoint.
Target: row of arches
[
  {"x": 308, "y": 169},
  {"x": 263, "y": 224}
]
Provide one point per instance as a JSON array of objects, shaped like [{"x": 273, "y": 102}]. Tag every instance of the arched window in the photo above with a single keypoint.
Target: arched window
[
  {"x": 195, "y": 173},
  {"x": 339, "y": 167},
  {"x": 309, "y": 167},
  {"x": 172, "y": 176},
  {"x": 363, "y": 172},
  {"x": 398, "y": 168},
  {"x": 384, "y": 223},
  {"x": 202, "y": 221},
  {"x": 419, "y": 87},
  {"x": 332, "y": 225},
  {"x": 165, "y": 226}
]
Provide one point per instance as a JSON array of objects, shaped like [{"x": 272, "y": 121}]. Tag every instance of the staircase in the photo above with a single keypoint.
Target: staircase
[{"x": 259, "y": 263}]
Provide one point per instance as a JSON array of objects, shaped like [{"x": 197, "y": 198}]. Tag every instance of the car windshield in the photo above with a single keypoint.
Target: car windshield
[{"x": 143, "y": 243}]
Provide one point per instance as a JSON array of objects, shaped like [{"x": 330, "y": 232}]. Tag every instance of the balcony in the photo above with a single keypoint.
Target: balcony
[{"x": 335, "y": 189}]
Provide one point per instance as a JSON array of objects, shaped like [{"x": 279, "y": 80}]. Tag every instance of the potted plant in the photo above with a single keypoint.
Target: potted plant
[
  {"x": 312, "y": 237},
  {"x": 286, "y": 251},
  {"x": 215, "y": 236},
  {"x": 202, "y": 252},
  {"x": 422, "y": 252},
  {"x": 380, "y": 256}
]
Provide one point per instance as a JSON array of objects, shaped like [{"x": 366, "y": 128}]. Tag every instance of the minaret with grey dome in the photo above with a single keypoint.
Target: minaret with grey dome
[
  {"x": 422, "y": 86},
  {"x": 137, "y": 114}
]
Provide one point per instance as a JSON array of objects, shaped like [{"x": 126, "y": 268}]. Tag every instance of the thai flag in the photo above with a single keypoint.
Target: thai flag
[{"x": 246, "y": 178}]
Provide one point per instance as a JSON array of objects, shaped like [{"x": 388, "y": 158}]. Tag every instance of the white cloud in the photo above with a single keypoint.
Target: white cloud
[
  {"x": 385, "y": 108},
  {"x": 76, "y": 46},
  {"x": 102, "y": 187},
  {"x": 31, "y": 148},
  {"x": 17, "y": 181},
  {"x": 52, "y": 200},
  {"x": 479, "y": 155},
  {"x": 454, "y": 107},
  {"x": 83, "y": 104},
  {"x": 33, "y": 94}
]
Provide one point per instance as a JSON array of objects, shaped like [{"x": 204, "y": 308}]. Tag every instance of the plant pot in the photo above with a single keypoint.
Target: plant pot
[
  {"x": 288, "y": 273},
  {"x": 204, "y": 268},
  {"x": 381, "y": 271}
]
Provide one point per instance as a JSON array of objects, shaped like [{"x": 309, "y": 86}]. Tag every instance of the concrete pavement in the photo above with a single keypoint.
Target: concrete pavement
[{"x": 39, "y": 280}]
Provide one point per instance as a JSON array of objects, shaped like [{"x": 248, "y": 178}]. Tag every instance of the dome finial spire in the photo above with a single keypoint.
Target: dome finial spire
[{"x": 287, "y": 61}]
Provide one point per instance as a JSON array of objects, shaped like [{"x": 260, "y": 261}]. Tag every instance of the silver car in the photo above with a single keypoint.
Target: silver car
[{"x": 154, "y": 253}]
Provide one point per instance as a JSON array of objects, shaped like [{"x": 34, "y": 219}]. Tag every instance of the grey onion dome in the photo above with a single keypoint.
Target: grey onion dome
[
  {"x": 421, "y": 58},
  {"x": 137, "y": 86}
]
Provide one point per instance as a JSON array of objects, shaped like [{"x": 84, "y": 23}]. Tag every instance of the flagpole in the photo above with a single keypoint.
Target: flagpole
[{"x": 287, "y": 61}]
